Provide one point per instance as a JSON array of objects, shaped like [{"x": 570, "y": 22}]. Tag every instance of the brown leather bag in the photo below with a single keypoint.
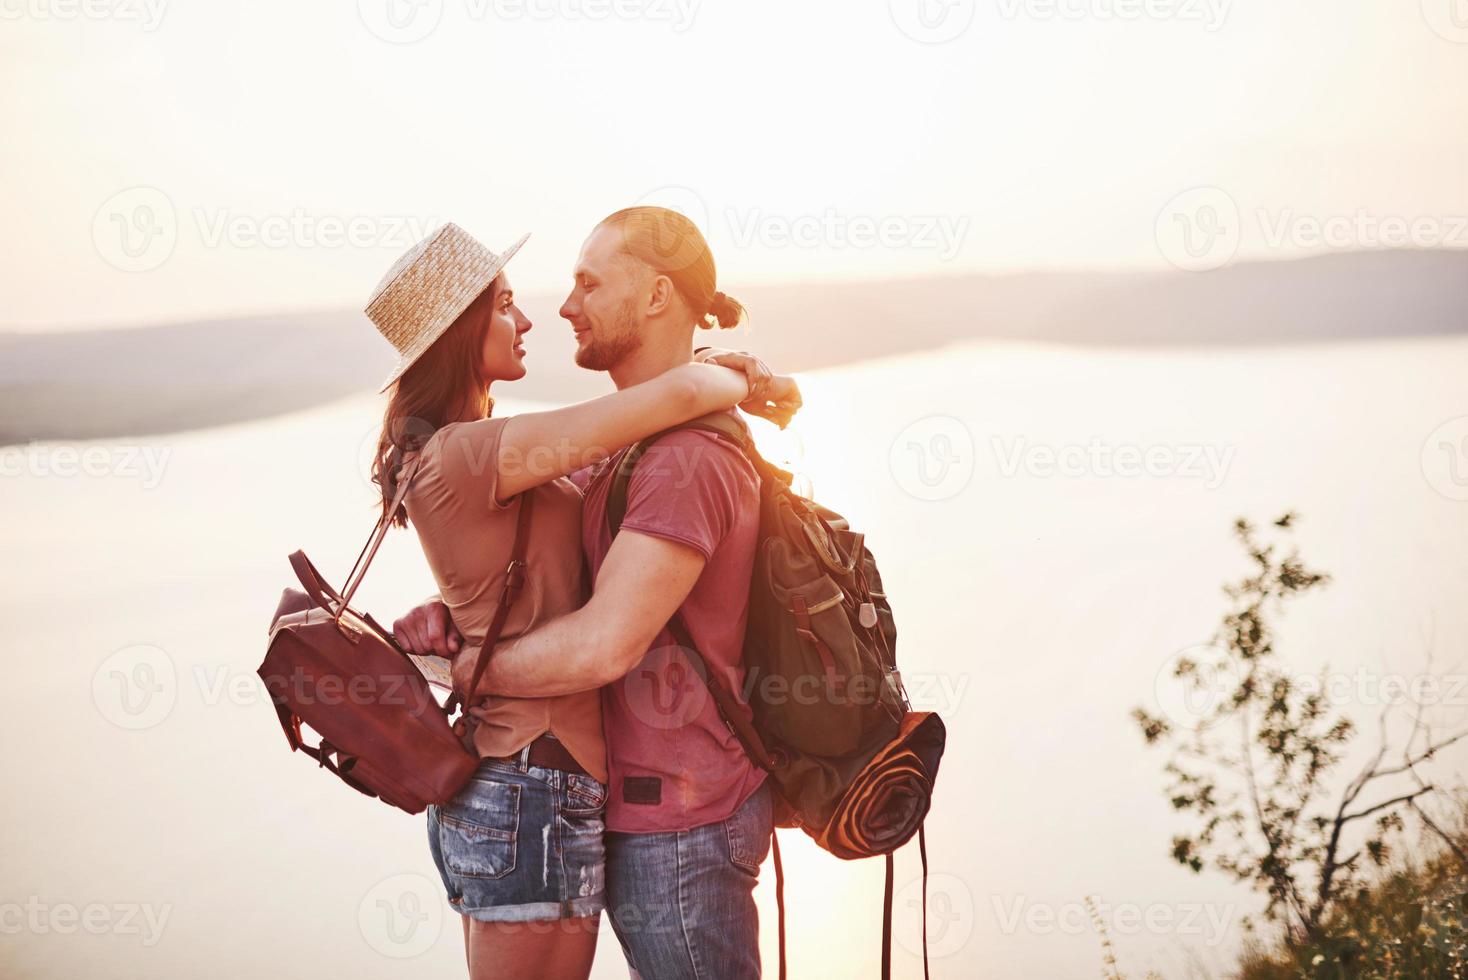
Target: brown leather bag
[{"x": 336, "y": 670}]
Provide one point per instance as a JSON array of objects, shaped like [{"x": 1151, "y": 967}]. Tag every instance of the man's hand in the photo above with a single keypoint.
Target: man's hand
[{"x": 427, "y": 629}]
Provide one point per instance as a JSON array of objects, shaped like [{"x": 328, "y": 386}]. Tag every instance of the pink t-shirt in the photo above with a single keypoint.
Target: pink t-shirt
[{"x": 674, "y": 765}]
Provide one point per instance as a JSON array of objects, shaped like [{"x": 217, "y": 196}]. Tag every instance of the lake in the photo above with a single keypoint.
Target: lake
[{"x": 1053, "y": 525}]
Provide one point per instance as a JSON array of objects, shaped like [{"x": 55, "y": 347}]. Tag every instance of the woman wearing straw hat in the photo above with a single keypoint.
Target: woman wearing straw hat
[{"x": 523, "y": 841}]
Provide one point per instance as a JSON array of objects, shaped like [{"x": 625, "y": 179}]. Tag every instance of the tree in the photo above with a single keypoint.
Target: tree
[{"x": 1255, "y": 769}]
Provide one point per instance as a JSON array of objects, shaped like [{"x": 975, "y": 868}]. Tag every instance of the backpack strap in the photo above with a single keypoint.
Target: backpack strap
[
  {"x": 887, "y": 921},
  {"x": 887, "y": 908},
  {"x": 730, "y": 430},
  {"x": 779, "y": 895},
  {"x": 721, "y": 424},
  {"x": 923, "y": 851},
  {"x": 725, "y": 700}
]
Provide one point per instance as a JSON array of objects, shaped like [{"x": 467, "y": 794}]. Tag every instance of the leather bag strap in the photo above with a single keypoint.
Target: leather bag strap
[
  {"x": 514, "y": 583},
  {"x": 369, "y": 551}
]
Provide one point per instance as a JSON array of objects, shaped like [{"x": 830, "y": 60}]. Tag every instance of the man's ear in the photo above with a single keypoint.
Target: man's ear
[{"x": 661, "y": 297}]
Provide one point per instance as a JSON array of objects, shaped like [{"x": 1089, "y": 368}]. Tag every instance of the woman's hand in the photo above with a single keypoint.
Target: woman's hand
[
  {"x": 771, "y": 396},
  {"x": 755, "y": 370},
  {"x": 780, "y": 402},
  {"x": 428, "y": 630}
]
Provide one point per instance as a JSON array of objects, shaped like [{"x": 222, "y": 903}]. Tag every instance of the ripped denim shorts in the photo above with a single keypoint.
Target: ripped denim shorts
[{"x": 521, "y": 843}]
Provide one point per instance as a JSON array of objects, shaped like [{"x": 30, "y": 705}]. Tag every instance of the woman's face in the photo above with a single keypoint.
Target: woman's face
[{"x": 503, "y": 356}]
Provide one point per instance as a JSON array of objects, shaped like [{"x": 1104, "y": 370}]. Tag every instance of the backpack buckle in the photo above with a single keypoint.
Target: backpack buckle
[{"x": 894, "y": 684}]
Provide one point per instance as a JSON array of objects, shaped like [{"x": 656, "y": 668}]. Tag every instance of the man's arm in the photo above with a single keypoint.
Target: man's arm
[{"x": 642, "y": 582}]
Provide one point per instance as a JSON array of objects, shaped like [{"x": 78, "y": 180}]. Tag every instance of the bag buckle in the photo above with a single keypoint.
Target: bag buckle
[{"x": 515, "y": 575}]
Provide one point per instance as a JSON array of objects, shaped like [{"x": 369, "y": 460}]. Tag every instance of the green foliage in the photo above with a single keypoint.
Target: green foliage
[
  {"x": 1410, "y": 923},
  {"x": 1254, "y": 769}
]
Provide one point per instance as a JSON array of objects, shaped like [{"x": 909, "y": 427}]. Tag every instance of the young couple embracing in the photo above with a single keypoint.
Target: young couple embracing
[{"x": 607, "y": 779}]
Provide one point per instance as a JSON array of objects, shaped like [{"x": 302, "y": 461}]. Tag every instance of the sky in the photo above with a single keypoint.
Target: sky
[{"x": 179, "y": 159}]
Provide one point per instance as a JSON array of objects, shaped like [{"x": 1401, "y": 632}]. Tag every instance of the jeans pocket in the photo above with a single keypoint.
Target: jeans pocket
[
  {"x": 477, "y": 831},
  {"x": 584, "y": 795},
  {"x": 748, "y": 832}
]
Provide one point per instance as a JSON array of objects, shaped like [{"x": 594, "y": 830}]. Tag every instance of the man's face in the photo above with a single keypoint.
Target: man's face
[{"x": 605, "y": 301}]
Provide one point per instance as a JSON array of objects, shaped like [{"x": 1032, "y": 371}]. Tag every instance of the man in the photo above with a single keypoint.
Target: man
[{"x": 688, "y": 815}]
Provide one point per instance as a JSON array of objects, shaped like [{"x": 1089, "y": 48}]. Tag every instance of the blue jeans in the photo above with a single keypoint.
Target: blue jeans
[
  {"x": 682, "y": 903},
  {"x": 521, "y": 843}
]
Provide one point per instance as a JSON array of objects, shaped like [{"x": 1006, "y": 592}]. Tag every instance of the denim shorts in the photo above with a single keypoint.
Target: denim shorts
[{"x": 522, "y": 843}]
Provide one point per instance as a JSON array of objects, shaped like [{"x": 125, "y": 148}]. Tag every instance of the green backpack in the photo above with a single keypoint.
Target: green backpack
[{"x": 852, "y": 764}]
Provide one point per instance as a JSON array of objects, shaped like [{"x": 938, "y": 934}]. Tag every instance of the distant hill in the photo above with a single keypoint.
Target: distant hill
[{"x": 107, "y": 383}]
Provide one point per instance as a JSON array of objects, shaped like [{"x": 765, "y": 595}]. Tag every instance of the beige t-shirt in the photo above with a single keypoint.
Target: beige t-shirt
[{"x": 467, "y": 538}]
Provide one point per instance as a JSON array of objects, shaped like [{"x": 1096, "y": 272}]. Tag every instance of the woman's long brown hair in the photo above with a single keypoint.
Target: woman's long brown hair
[{"x": 435, "y": 391}]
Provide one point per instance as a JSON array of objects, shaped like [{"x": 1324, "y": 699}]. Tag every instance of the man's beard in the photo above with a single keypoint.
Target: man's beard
[{"x": 606, "y": 353}]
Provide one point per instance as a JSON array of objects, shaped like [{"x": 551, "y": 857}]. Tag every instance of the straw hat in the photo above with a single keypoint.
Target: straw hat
[{"x": 426, "y": 290}]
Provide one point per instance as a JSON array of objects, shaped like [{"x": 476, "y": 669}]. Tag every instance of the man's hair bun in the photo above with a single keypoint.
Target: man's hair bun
[{"x": 725, "y": 311}]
